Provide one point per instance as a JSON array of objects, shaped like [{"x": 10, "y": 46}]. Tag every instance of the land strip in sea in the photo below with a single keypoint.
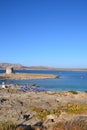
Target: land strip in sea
[{"x": 25, "y": 76}]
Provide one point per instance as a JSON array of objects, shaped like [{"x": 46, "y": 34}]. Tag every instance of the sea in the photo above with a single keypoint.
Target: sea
[{"x": 68, "y": 80}]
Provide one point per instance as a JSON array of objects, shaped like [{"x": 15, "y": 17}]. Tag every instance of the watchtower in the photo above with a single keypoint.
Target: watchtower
[{"x": 9, "y": 70}]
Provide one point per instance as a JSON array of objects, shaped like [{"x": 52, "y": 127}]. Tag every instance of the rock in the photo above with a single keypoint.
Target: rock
[
  {"x": 24, "y": 127},
  {"x": 51, "y": 117}
]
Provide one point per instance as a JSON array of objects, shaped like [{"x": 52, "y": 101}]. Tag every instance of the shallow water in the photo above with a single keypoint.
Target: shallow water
[{"x": 69, "y": 80}]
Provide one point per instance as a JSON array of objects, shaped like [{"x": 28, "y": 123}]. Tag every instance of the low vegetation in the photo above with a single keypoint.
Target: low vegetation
[
  {"x": 42, "y": 113},
  {"x": 7, "y": 125},
  {"x": 76, "y": 108},
  {"x": 73, "y": 92},
  {"x": 69, "y": 108}
]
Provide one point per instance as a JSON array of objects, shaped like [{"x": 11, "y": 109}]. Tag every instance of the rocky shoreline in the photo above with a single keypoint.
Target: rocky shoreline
[{"x": 49, "y": 110}]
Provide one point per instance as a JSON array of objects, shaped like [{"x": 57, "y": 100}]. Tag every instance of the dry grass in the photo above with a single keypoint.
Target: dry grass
[
  {"x": 7, "y": 125},
  {"x": 76, "y": 108}
]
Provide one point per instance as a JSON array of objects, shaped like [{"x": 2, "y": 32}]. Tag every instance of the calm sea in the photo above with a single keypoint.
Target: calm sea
[{"x": 68, "y": 80}]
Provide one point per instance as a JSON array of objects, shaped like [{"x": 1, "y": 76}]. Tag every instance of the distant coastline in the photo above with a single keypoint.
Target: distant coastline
[{"x": 21, "y": 67}]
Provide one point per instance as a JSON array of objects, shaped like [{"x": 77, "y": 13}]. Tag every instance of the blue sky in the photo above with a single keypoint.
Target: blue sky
[{"x": 44, "y": 32}]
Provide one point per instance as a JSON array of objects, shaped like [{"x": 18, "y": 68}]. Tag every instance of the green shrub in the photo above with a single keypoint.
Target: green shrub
[{"x": 73, "y": 92}]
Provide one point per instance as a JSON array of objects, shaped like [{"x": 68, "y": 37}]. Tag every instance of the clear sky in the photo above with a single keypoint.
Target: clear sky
[{"x": 44, "y": 32}]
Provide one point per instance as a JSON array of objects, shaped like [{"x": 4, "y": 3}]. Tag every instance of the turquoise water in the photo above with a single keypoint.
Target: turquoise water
[{"x": 68, "y": 80}]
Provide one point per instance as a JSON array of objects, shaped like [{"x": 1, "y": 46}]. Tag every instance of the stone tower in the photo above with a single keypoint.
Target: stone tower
[{"x": 9, "y": 70}]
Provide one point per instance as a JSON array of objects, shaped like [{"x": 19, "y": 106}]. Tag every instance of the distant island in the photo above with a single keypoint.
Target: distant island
[{"x": 3, "y": 66}]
